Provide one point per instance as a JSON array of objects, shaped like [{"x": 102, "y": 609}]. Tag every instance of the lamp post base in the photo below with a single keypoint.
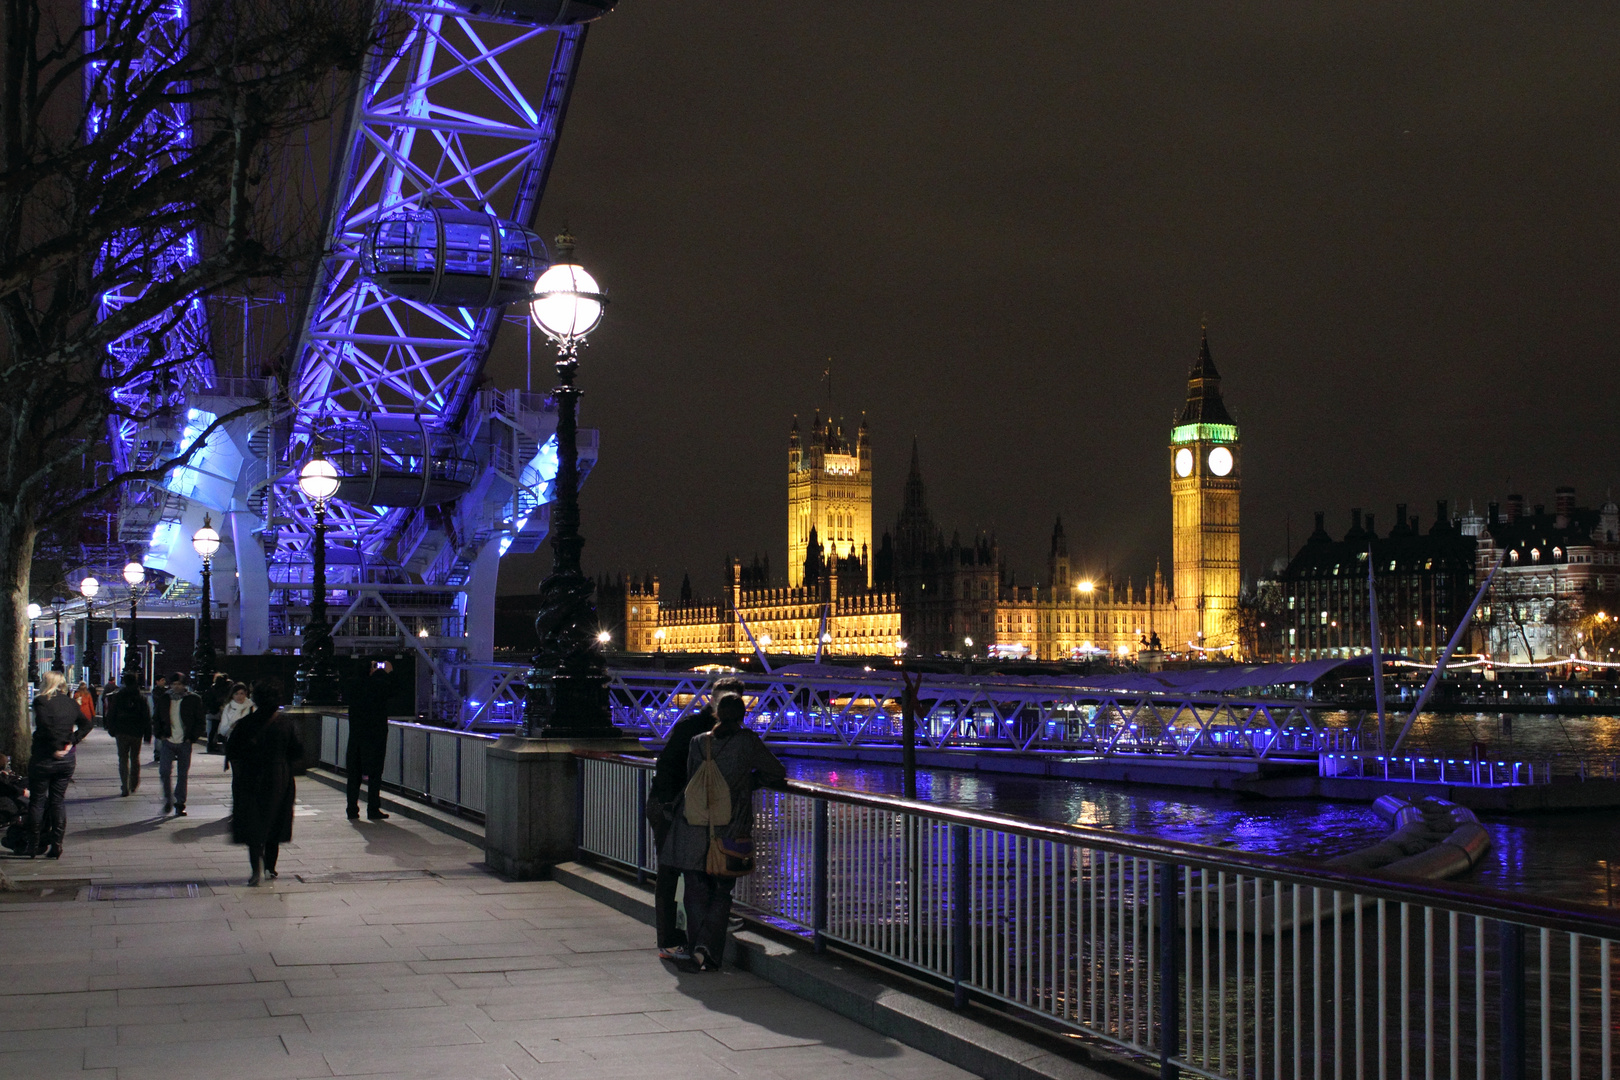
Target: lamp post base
[{"x": 567, "y": 695}]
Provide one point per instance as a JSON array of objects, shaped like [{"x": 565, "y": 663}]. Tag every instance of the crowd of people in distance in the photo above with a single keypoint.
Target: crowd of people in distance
[
  {"x": 700, "y": 804},
  {"x": 260, "y": 744}
]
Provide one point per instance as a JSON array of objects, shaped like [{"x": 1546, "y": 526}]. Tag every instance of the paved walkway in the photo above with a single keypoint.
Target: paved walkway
[{"x": 384, "y": 950}]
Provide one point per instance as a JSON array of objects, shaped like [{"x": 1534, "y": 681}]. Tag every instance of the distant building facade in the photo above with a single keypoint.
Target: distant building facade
[
  {"x": 1557, "y": 569},
  {"x": 1425, "y": 581},
  {"x": 919, "y": 594}
]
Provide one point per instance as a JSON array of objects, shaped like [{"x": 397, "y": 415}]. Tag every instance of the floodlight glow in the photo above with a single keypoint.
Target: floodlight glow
[
  {"x": 134, "y": 574},
  {"x": 1086, "y": 586},
  {"x": 318, "y": 479},
  {"x": 34, "y": 611},
  {"x": 205, "y": 540},
  {"x": 89, "y": 587},
  {"x": 604, "y": 637},
  {"x": 567, "y": 302}
]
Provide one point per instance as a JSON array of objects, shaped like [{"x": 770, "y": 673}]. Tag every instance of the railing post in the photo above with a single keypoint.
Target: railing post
[
  {"x": 641, "y": 826},
  {"x": 1513, "y": 1047},
  {"x": 961, "y": 854},
  {"x": 579, "y": 806},
  {"x": 1169, "y": 975},
  {"x": 818, "y": 875}
]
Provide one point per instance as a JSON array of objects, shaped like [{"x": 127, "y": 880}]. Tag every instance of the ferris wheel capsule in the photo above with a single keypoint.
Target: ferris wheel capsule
[{"x": 452, "y": 257}]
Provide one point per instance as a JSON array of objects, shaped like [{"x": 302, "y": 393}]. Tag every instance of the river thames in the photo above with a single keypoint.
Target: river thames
[{"x": 1571, "y": 854}]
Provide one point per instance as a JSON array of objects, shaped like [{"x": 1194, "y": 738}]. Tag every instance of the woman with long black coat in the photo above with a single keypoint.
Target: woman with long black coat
[{"x": 261, "y": 751}]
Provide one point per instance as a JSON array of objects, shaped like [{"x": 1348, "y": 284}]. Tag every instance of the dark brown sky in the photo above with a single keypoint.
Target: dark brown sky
[{"x": 1005, "y": 222}]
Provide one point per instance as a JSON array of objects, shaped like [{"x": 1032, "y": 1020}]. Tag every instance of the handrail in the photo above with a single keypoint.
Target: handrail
[{"x": 1481, "y": 900}]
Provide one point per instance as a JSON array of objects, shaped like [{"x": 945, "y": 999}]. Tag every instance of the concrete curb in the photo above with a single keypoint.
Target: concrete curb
[
  {"x": 841, "y": 986},
  {"x": 458, "y": 827}
]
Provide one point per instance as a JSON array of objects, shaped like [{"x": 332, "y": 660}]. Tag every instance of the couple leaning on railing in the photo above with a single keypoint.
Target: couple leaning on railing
[{"x": 701, "y": 809}]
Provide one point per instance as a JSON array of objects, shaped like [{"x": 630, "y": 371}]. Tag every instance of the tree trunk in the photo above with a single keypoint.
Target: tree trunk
[{"x": 17, "y": 535}]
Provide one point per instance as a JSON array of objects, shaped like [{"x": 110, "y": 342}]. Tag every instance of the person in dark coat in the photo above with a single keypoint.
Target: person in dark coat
[
  {"x": 129, "y": 722},
  {"x": 669, "y": 779},
  {"x": 368, "y": 739},
  {"x": 262, "y": 750},
  {"x": 214, "y": 697},
  {"x": 59, "y": 726},
  {"x": 746, "y": 764}
]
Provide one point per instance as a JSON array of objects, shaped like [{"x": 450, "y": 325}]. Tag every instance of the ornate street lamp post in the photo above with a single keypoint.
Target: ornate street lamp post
[
  {"x": 88, "y": 588},
  {"x": 567, "y": 683},
  {"x": 206, "y": 542},
  {"x": 134, "y": 574},
  {"x": 34, "y": 612},
  {"x": 56, "y": 653},
  {"x": 317, "y": 679}
]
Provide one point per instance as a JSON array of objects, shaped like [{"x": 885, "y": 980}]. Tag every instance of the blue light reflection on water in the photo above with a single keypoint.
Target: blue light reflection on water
[{"x": 1573, "y": 855}]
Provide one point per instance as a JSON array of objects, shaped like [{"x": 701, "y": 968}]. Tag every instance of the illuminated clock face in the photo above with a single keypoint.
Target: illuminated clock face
[
  {"x": 1183, "y": 461},
  {"x": 1220, "y": 461}
]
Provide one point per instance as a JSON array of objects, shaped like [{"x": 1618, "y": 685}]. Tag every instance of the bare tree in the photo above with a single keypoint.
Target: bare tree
[{"x": 97, "y": 188}]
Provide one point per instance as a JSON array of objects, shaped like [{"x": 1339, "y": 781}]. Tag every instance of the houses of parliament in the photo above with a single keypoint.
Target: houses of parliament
[{"x": 913, "y": 592}]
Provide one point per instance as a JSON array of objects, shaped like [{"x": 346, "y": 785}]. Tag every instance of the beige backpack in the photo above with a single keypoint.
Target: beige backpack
[{"x": 708, "y": 796}]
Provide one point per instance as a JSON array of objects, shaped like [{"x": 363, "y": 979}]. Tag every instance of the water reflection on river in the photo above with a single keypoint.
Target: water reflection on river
[{"x": 1574, "y": 855}]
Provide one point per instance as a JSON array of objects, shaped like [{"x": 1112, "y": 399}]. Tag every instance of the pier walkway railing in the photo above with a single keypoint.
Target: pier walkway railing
[
  {"x": 856, "y": 708},
  {"x": 1208, "y": 962},
  {"x": 1479, "y": 771}
]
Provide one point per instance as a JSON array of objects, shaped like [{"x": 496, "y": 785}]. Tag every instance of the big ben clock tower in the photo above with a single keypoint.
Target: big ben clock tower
[{"x": 1205, "y": 477}]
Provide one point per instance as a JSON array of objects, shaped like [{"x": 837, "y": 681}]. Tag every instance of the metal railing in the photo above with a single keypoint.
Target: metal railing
[
  {"x": 1225, "y": 965},
  {"x": 1472, "y": 771},
  {"x": 437, "y": 764}
]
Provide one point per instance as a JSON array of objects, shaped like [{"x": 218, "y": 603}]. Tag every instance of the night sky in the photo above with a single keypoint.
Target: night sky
[{"x": 1005, "y": 223}]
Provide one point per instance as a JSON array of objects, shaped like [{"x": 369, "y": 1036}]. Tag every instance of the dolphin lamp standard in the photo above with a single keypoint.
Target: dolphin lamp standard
[
  {"x": 317, "y": 679},
  {"x": 134, "y": 575},
  {"x": 205, "y": 542},
  {"x": 567, "y": 683}
]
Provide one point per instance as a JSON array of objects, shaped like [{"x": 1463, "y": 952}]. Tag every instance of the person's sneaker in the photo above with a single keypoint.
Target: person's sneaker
[
  {"x": 354, "y": 815},
  {"x": 179, "y": 811},
  {"x": 675, "y": 954},
  {"x": 168, "y": 808},
  {"x": 376, "y": 815},
  {"x": 123, "y": 791}
]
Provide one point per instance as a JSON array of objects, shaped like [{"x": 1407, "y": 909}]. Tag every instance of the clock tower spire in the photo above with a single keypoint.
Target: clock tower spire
[{"x": 1205, "y": 481}]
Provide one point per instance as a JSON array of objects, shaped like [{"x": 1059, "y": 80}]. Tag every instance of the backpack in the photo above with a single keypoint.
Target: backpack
[{"x": 708, "y": 796}]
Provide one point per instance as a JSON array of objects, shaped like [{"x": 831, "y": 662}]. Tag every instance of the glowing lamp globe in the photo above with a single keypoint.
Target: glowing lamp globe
[
  {"x": 134, "y": 574},
  {"x": 205, "y": 540},
  {"x": 34, "y": 611},
  {"x": 90, "y": 587},
  {"x": 567, "y": 302},
  {"x": 318, "y": 479}
]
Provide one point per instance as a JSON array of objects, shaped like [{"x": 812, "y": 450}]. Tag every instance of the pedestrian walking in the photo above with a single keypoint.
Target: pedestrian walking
[
  {"x": 217, "y": 693},
  {"x": 86, "y": 701},
  {"x": 157, "y": 700},
  {"x": 175, "y": 726},
  {"x": 714, "y": 821},
  {"x": 669, "y": 780},
  {"x": 59, "y": 726},
  {"x": 129, "y": 722},
  {"x": 238, "y": 705},
  {"x": 262, "y": 750},
  {"x": 368, "y": 739}
]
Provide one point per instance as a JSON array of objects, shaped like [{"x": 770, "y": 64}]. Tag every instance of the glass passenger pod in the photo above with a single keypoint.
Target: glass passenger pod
[
  {"x": 536, "y": 12},
  {"x": 398, "y": 461},
  {"x": 452, "y": 257}
]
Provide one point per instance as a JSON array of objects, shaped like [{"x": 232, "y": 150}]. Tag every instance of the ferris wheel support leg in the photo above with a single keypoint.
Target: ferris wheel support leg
[
  {"x": 480, "y": 624},
  {"x": 252, "y": 606}
]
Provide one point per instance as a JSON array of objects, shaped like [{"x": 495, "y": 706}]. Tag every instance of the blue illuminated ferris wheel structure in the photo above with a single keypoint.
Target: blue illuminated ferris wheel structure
[{"x": 449, "y": 141}]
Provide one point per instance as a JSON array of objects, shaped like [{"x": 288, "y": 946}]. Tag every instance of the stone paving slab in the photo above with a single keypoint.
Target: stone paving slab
[{"x": 434, "y": 969}]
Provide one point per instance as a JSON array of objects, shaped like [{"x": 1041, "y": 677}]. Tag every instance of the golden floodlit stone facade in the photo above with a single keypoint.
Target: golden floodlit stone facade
[{"x": 920, "y": 594}]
